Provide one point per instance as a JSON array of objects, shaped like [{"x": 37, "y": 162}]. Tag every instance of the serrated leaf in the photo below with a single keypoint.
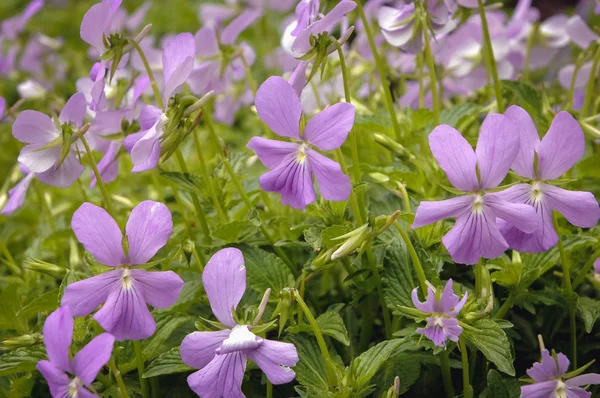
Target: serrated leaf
[
  {"x": 368, "y": 363},
  {"x": 44, "y": 303},
  {"x": 187, "y": 181},
  {"x": 312, "y": 236},
  {"x": 420, "y": 118},
  {"x": 12, "y": 302},
  {"x": 454, "y": 115},
  {"x": 21, "y": 360},
  {"x": 589, "y": 309},
  {"x": 526, "y": 96},
  {"x": 166, "y": 324},
  {"x": 189, "y": 294},
  {"x": 399, "y": 279},
  {"x": 405, "y": 365},
  {"x": 493, "y": 343},
  {"x": 265, "y": 270},
  {"x": 235, "y": 231},
  {"x": 330, "y": 323},
  {"x": 310, "y": 370},
  {"x": 167, "y": 363},
  {"x": 499, "y": 387}
]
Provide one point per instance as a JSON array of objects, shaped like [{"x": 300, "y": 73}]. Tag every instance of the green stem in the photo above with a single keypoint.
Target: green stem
[
  {"x": 104, "y": 379},
  {"x": 432, "y": 75},
  {"x": 589, "y": 92},
  {"x": 446, "y": 375},
  {"x": 467, "y": 389},
  {"x": 530, "y": 41},
  {"x": 478, "y": 276},
  {"x": 420, "y": 66},
  {"x": 585, "y": 270},
  {"x": 139, "y": 356},
  {"x": 82, "y": 190},
  {"x": 99, "y": 181},
  {"x": 378, "y": 281},
  {"x": 491, "y": 61},
  {"x": 199, "y": 258},
  {"x": 249, "y": 76},
  {"x": 9, "y": 258},
  {"x": 505, "y": 307},
  {"x": 358, "y": 211},
  {"x": 300, "y": 319},
  {"x": 380, "y": 64},
  {"x": 269, "y": 389},
  {"x": 117, "y": 375},
  {"x": 414, "y": 257},
  {"x": 159, "y": 100},
  {"x": 45, "y": 207},
  {"x": 571, "y": 93}
]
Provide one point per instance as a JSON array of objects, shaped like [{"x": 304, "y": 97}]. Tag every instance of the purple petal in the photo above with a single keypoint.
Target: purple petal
[
  {"x": 541, "y": 240},
  {"x": 2, "y": 107},
  {"x": 161, "y": 288},
  {"x": 224, "y": 280},
  {"x": 580, "y": 33},
  {"x": 529, "y": 139},
  {"x": 58, "y": 334},
  {"x": 238, "y": 25},
  {"x": 333, "y": 183},
  {"x": 16, "y": 196},
  {"x": 198, "y": 348},
  {"x": 583, "y": 380},
  {"x": 451, "y": 328},
  {"x": 547, "y": 369},
  {"x": 448, "y": 299},
  {"x": 298, "y": 78},
  {"x": 148, "y": 229},
  {"x": 96, "y": 23},
  {"x": 580, "y": 208},
  {"x": 38, "y": 160},
  {"x": 428, "y": 306},
  {"x": 455, "y": 156},
  {"x": 275, "y": 359},
  {"x": 544, "y": 389},
  {"x": 88, "y": 362},
  {"x": 497, "y": 148},
  {"x": 597, "y": 266},
  {"x": 521, "y": 216},
  {"x": 82, "y": 392},
  {"x": 272, "y": 152},
  {"x": 292, "y": 179},
  {"x": 222, "y": 377},
  {"x": 108, "y": 166},
  {"x": 33, "y": 127},
  {"x": 74, "y": 110},
  {"x": 178, "y": 61},
  {"x": 83, "y": 297},
  {"x": 58, "y": 381},
  {"x": 65, "y": 175},
  {"x": 99, "y": 233},
  {"x": 430, "y": 212},
  {"x": 328, "y": 129},
  {"x": 279, "y": 107},
  {"x": 562, "y": 146}
]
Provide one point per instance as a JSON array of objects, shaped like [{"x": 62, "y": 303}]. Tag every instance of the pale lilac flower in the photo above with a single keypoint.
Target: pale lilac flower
[
  {"x": 31, "y": 90},
  {"x": 7, "y": 62},
  {"x": 2, "y": 107},
  {"x": 582, "y": 78},
  {"x": 125, "y": 290},
  {"x": 97, "y": 23},
  {"x": 68, "y": 377},
  {"x": 441, "y": 322},
  {"x": 559, "y": 150},
  {"x": 11, "y": 27},
  {"x": 16, "y": 195},
  {"x": 475, "y": 233},
  {"x": 221, "y": 356},
  {"x": 580, "y": 33},
  {"x": 550, "y": 382},
  {"x": 294, "y": 163},
  {"x": 45, "y": 140}
]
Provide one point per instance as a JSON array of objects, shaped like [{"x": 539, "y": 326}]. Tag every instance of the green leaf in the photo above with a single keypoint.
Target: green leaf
[
  {"x": 589, "y": 309},
  {"x": 526, "y": 96},
  {"x": 368, "y": 363},
  {"x": 373, "y": 122},
  {"x": 21, "y": 360},
  {"x": 405, "y": 365},
  {"x": 330, "y": 323},
  {"x": 310, "y": 370},
  {"x": 12, "y": 301},
  {"x": 398, "y": 274},
  {"x": 189, "y": 294},
  {"x": 499, "y": 387},
  {"x": 166, "y": 324},
  {"x": 44, "y": 303},
  {"x": 235, "y": 231},
  {"x": 167, "y": 363},
  {"x": 453, "y": 116},
  {"x": 420, "y": 118},
  {"x": 493, "y": 343},
  {"x": 266, "y": 270},
  {"x": 189, "y": 182}
]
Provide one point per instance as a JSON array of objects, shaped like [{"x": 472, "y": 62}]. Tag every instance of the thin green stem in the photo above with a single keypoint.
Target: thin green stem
[
  {"x": 585, "y": 270},
  {"x": 45, "y": 207},
  {"x": 82, "y": 190},
  {"x": 99, "y": 181},
  {"x": 433, "y": 83},
  {"x": 269, "y": 389},
  {"x": 530, "y": 41},
  {"x": 571, "y": 93},
  {"x": 387, "y": 322},
  {"x": 414, "y": 257},
  {"x": 300, "y": 319},
  {"x": 505, "y": 307},
  {"x": 589, "y": 92},
  {"x": 117, "y": 375},
  {"x": 478, "y": 276},
  {"x": 467, "y": 389},
  {"x": 159, "y": 100},
  {"x": 380, "y": 64},
  {"x": 249, "y": 76},
  {"x": 10, "y": 261},
  {"x": 421, "y": 68},
  {"x": 104, "y": 379},
  {"x": 198, "y": 257},
  {"x": 491, "y": 61},
  {"x": 357, "y": 210},
  {"x": 446, "y": 375},
  {"x": 139, "y": 357}
]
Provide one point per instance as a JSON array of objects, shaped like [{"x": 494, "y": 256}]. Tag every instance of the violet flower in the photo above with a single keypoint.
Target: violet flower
[
  {"x": 596, "y": 274},
  {"x": 69, "y": 377},
  {"x": 559, "y": 150},
  {"x": 475, "y": 233},
  {"x": 126, "y": 289},
  {"x": 551, "y": 379},
  {"x": 2, "y": 107},
  {"x": 44, "y": 137},
  {"x": 16, "y": 195},
  {"x": 12, "y": 27},
  {"x": 97, "y": 24},
  {"x": 442, "y": 310},
  {"x": 221, "y": 356},
  {"x": 293, "y": 163}
]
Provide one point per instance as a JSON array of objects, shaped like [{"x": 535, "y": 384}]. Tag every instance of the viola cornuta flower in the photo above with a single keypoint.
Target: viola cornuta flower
[
  {"x": 541, "y": 162},
  {"x": 551, "y": 380},
  {"x": 475, "y": 233},
  {"x": 442, "y": 310},
  {"x": 69, "y": 377},
  {"x": 97, "y": 24},
  {"x": 125, "y": 290},
  {"x": 16, "y": 195},
  {"x": 221, "y": 356},
  {"x": 293, "y": 164}
]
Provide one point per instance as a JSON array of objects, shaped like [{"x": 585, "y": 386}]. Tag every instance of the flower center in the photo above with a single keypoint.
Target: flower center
[
  {"x": 478, "y": 204},
  {"x": 73, "y": 387},
  {"x": 127, "y": 279},
  {"x": 240, "y": 339},
  {"x": 536, "y": 192},
  {"x": 561, "y": 389},
  {"x": 301, "y": 156},
  {"x": 438, "y": 321}
]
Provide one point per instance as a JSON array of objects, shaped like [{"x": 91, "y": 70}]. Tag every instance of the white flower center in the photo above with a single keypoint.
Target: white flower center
[
  {"x": 301, "y": 157},
  {"x": 561, "y": 389},
  {"x": 438, "y": 321},
  {"x": 73, "y": 386},
  {"x": 127, "y": 279},
  {"x": 536, "y": 192},
  {"x": 478, "y": 204},
  {"x": 240, "y": 339}
]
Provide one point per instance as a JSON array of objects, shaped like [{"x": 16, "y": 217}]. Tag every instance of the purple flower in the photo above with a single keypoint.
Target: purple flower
[
  {"x": 221, "y": 355},
  {"x": 66, "y": 377},
  {"x": 97, "y": 23},
  {"x": 442, "y": 323},
  {"x": 11, "y": 27},
  {"x": 597, "y": 270},
  {"x": 559, "y": 150},
  {"x": 565, "y": 77},
  {"x": 124, "y": 290},
  {"x": 44, "y": 137},
  {"x": 16, "y": 195},
  {"x": 550, "y": 382},
  {"x": 580, "y": 33},
  {"x": 2, "y": 107},
  {"x": 475, "y": 233},
  {"x": 294, "y": 163}
]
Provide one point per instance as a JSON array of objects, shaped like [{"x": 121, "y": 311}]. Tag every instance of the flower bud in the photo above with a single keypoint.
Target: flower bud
[
  {"x": 21, "y": 341},
  {"x": 45, "y": 268},
  {"x": 188, "y": 246},
  {"x": 283, "y": 308},
  {"x": 353, "y": 240}
]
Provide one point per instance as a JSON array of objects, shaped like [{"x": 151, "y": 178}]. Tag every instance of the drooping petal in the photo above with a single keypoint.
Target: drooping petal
[
  {"x": 238, "y": 25},
  {"x": 224, "y": 280},
  {"x": 222, "y": 377},
  {"x": 33, "y": 127},
  {"x": 580, "y": 208},
  {"x": 428, "y": 306},
  {"x": 544, "y": 389},
  {"x": 580, "y": 33},
  {"x": 562, "y": 146},
  {"x": 430, "y": 212},
  {"x": 88, "y": 362},
  {"x": 451, "y": 328},
  {"x": 279, "y": 107},
  {"x": 148, "y": 230},
  {"x": 99, "y": 233},
  {"x": 58, "y": 334},
  {"x": 529, "y": 139},
  {"x": 292, "y": 179},
  {"x": 83, "y": 297},
  {"x": 275, "y": 358},
  {"x": 328, "y": 129},
  {"x": 178, "y": 61},
  {"x": 448, "y": 299},
  {"x": 497, "y": 148},
  {"x": 16, "y": 195},
  {"x": 521, "y": 216},
  {"x": 74, "y": 110},
  {"x": 65, "y": 175},
  {"x": 584, "y": 380},
  {"x": 198, "y": 348},
  {"x": 108, "y": 166},
  {"x": 58, "y": 381},
  {"x": 272, "y": 152},
  {"x": 333, "y": 183},
  {"x": 161, "y": 288},
  {"x": 298, "y": 77},
  {"x": 455, "y": 156}
]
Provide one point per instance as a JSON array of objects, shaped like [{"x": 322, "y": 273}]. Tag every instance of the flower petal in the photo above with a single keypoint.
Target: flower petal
[
  {"x": 279, "y": 107},
  {"x": 84, "y": 296},
  {"x": 58, "y": 334},
  {"x": 238, "y": 25},
  {"x": 33, "y": 127},
  {"x": 178, "y": 61},
  {"x": 328, "y": 129},
  {"x": 521, "y": 216},
  {"x": 580, "y": 208},
  {"x": 108, "y": 166},
  {"x": 544, "y": 389},
  {"x": 88, "y": 362},
  {"x": 16, "y": 195},
  {"x": 38, "y": 160},
  {"x": 270, "y": 357},
  {"x": 74, "y": 110},
  {"x": 272, "y": 152},
  {"x": 99, "y": 233},
  {"x": 161, "y": 288},
  {"x": 455, "y": 156},
  {"x": 430, "y": 212},
  {"x": 428, "y": 306},
  {"x": 198, "y": 348},
  {"x": 497, "y": 148},
  {"x": 562, "y": 146},
  {"x": 529, "y": 139},
  {"x": 148, "y": 230},
  {"x": 584, "y": 380},
  {"x": 58, "y": 381},
  {"x": 95, "y": 24},
  {"x": 292, "y": 179},
  {"x": 224, "y": 280},
  {"x": 65, "y": 175},
  {"x": 333, "y": 183},
  {"x": 222, "y": 377},
  {"x": 580, "y": 33},
  {"x": 206, "y": 42}
]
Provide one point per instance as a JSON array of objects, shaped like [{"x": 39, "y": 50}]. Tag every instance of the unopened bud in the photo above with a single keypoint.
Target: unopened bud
[
  {"x": 188, "y": 247},
  {"x": 198, "y": 104},
  {"x": 21, "y": 341},
  {"x": 392, "y": 145},
  {"x": 262, "y": 306},
  {"x": 283, "y": 308},
  {"x": 354, "y": 239},
  {"x": 45, "y": 268}
]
